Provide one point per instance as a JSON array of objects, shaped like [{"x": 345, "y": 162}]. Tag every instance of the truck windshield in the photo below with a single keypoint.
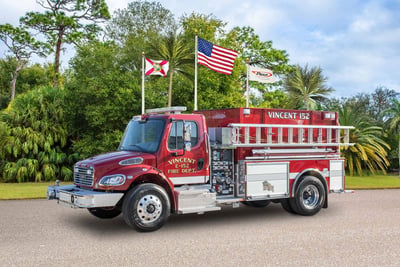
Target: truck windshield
[{"x": 143, "y": 136}]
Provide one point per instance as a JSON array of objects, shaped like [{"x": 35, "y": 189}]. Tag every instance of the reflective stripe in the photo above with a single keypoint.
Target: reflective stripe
[{"x": 189, "y": 180}]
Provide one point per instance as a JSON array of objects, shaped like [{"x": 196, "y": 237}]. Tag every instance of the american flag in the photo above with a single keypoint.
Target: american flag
[{"x": 215, "y": 57}]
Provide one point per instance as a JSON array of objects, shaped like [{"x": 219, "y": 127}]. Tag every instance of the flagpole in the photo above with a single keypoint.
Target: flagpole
[
  {"x": 247, "y": 82},
  {"x": 195, "y": 71},
  {"x": 142, "y": 83}
]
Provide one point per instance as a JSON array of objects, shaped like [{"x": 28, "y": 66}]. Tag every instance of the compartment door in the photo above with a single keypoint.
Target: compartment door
[
  {"x": 267, "y": 180},
  {"x": 336, "y": 175}
]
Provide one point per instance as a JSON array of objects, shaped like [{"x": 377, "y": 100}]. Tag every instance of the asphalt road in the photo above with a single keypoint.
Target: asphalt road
[{"x": 360, "y": 229}]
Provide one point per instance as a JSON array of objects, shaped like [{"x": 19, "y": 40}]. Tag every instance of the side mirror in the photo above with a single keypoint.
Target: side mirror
[{"x": 187, "y": 134}]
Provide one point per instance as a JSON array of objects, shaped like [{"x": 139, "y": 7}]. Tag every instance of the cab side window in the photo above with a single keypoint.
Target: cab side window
[{"x": 175, "y": 139}]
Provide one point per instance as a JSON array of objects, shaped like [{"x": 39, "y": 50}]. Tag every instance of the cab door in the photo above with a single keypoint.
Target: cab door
[{"x": 184, "y": 163}]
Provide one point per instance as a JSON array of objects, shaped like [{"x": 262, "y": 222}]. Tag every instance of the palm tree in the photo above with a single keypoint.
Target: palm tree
[
  {"x": 392, "y": 121},
  {"x": 34, "y": 137},
  {"x": 306, "y": 86},
  {"x": 179, "y": 53},
  {"x": 369, "y": 149}
]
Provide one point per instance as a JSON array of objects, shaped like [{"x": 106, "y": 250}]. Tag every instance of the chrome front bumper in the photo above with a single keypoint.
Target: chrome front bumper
[{"x": 75, "y": 197}]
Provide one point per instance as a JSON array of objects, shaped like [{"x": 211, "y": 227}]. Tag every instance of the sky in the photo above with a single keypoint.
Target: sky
[{"x": 355, "y": 42}]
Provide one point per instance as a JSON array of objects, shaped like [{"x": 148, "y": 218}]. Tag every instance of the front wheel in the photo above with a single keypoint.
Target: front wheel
[
  {"x": 309, "y": 196},
  {"x": 146, "y": 207}
]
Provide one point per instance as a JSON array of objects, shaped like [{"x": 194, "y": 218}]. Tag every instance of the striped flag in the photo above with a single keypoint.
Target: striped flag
[{"x": 215, "y": 57}]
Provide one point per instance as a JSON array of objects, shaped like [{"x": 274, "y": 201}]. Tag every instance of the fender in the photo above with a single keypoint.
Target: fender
[
  {"x": 313, "y": 172},
  {"x": 148, "y": 174}
]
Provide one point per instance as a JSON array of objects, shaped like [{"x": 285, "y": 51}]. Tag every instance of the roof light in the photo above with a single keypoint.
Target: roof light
[
  {"x": 329, "y": 115},
  {"x": 175, "y": 110}
]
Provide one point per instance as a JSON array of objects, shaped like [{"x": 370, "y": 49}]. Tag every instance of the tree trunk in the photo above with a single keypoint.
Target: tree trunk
[
  {"x": 307, "y": 104},
  {"x": 14, "y": 80},
  {"x": 57, "y": 59},
  {"x": 171, "y": 72}
]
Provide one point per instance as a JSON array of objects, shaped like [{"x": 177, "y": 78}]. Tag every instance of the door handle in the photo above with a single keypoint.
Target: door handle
[{"x": 200, "y": 164}]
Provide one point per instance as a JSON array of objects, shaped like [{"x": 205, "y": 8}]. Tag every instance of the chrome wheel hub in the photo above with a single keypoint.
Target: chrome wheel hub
[
  {"x": 310, "y": 196},
  {"x": 149, "y": 208}
]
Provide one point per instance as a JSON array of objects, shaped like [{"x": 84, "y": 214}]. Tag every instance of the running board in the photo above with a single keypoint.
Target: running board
[
  {"x": 229, "y": 201},
  {"x": 197, "y": 210},
  {"x": 195, "y": 199}
]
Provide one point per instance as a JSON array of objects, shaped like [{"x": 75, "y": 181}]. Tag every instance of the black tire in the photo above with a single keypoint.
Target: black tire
[
  {"x": 146, "y": 207},
  {"x": 257, "y": 203},
  {"x": 288, "y": 205},
  {"x": 105, "y": 213},
  {"x": 309, "y": 196}
]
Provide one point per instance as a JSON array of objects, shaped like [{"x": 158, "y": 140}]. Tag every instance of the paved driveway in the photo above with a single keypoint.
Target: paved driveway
[{"x": 360, "y": 229}]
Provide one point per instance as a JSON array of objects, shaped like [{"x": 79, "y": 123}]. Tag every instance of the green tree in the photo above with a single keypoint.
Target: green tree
[
  {"x": 215, "y": 90},
  {"x": 255, "y": 52},
  {"x": 21, "y": 45},
  {"x": 392, "y": 122},
  {"x": 142, "y": 27},
  {"x": 141, "y": 19},
  {"x": 66, "y": 22},
  {"x": 179, "y": 53},
  {"x": 306, "y": 87},
  {"x": 29, "y": 77},
  {"x": 229, "y": 89},
  {"x": 102, "y": 96},
  {"x": 369, "y": 150},
  {"x": 7, "y": 68},
  {"x": 371, "y": 104},
  {"x": 34, "y": 138},
  {"x": 272, "y": 99},
  {"x": 207, "y": 26}
]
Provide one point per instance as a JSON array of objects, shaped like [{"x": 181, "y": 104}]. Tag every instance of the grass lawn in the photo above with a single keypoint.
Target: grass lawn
[
  {"x": 372, "y": 182},
  {"x": 38, "y": 190},
  {"x": 24, "y": 190}
]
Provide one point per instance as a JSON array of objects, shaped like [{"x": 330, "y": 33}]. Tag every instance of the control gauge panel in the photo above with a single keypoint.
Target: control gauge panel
[{"x": 222, "y": 172}]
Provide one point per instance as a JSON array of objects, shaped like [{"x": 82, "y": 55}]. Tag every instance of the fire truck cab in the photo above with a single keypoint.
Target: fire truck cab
[{"x": 169, "y": 162}]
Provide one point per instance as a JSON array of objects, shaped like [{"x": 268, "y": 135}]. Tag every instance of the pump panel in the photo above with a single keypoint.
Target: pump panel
[{"x": 222, "y": 172}]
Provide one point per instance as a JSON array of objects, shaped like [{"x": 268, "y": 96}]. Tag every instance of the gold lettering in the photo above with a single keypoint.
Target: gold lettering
[{"x": 181, "y": 160}]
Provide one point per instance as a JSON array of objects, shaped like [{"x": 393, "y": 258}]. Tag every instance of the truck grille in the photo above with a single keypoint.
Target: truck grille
[{"x": 83, "y": 175}]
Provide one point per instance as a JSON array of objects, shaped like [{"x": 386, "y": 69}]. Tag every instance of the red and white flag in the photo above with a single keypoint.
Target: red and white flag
[
  {"x": 261, "y": 75},
  {"x": 156, "y": 67},
  {"x": 215, "y": 57}
]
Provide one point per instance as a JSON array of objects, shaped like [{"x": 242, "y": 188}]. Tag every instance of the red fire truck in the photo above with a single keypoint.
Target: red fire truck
[{"x": 169, "y": 162}]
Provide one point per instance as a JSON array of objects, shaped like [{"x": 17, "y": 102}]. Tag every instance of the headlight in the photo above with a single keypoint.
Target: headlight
[{"x": 112, "y": 180}]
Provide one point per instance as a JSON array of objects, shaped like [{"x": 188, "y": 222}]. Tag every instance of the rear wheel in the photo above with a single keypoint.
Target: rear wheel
[
  {"x": 288, "y": 205},
  {"x": 257, "y": 203},
  {"x": 105, "y": 213},
  {"x": 309, "y": 196},
  {"x": 146, "y": 207}
]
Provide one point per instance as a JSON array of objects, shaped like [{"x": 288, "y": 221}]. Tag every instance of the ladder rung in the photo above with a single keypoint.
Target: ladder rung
[{"x": 305, "y": 135}]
